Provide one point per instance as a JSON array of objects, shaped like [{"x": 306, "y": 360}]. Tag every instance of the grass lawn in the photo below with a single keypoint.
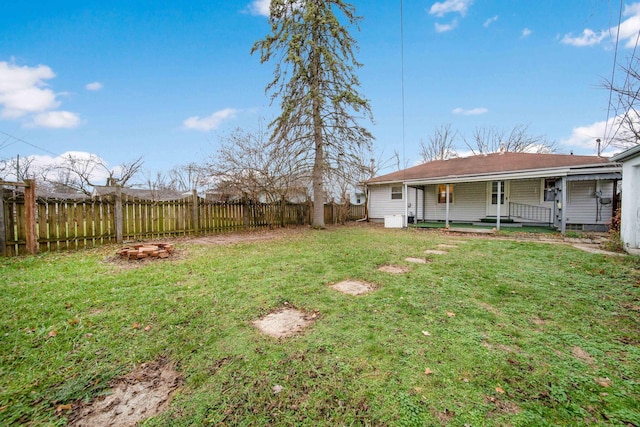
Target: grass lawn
[{"x": 494, "y": 332}]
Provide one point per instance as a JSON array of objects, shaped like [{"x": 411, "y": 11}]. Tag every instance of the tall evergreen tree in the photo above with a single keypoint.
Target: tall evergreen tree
[{"x": 315, "y": 81}]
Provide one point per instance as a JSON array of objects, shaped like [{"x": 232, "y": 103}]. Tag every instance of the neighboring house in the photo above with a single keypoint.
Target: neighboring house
[
  {"x": 564, "y": 191},
  {"x": 144, "y": 194},
  {"x": 630, "y": 214}
]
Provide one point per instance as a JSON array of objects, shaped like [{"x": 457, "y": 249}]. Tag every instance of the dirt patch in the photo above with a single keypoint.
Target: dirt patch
[
  {"x": 249, "y": 236},
  {"x": 285, "y": 322},
  {"x": 141, "y": 394},
  {"x": 581, "y": 354},
  {"x": 417, "y": 260},
  {"x": 490, "y": 308},
  {"x": 435, "y": 252},
  {"x": 393, "y": 269},
  {"x": 353, "y": 287},
  {"x": 595, "y": 249}
]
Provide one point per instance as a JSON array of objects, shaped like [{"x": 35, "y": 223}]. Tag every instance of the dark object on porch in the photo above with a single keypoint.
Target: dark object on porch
[{"x": 493, "y": 220}]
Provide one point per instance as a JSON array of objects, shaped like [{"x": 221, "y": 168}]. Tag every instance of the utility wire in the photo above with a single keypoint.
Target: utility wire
[
  {"x": 404, "y": 158},
  {"x": 8, "y": 135},
  {"x": 613, "y": 73}
]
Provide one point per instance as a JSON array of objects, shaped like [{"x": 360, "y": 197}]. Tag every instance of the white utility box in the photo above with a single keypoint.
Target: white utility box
[{"x": 393, "y": 221}]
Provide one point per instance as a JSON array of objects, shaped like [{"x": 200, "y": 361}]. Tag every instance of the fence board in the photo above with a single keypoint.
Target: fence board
[{"x": 73, "y": 224}]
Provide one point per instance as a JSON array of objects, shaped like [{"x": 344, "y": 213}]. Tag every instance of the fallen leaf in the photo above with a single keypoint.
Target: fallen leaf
[
  {"x": 425, "y": 333},
  {"x": 277, "y": 388},
  {"x": 147, "y": 328},
  {"x": 604, "y": 382},
  {"x": 73, "y": 322},
  {"x": 61, "y": 408},
  {"x": 428, "y": 371},
  {"x": 53, "y": 333},
  {"x": 136, "y": 325},
  {"x": 500, "y": 390},
  {"x": 451, "y": 314}
]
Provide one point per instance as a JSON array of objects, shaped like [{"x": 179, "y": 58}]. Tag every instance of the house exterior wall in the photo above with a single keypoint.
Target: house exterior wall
[
  {"x": 470, "y": 201},
  {"x": 583, "y": 206},
  {"x": 381, "y": 203},
  {"x": 630, "y": 214}
]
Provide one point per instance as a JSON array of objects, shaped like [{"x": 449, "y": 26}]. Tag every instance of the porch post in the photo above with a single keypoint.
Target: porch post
[
  {"x": 406, "y": 206},
  {"x": 563, "y": 205},
  {"x": 446, "y": 222},
  {"x": 498, "y": 208}
]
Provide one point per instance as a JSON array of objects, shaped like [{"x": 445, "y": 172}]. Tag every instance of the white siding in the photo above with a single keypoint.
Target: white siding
[
  {"x": 381, "y": 204},
  {"x": 469, "y": 202},
  {"x": 630, "y": 215},
  {"x": 528, "y": 192},
  {"x": 582, "y": 202}
]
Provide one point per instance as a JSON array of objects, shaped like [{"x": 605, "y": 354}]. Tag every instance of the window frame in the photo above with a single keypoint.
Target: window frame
[
  {"x": 543, "y": 193},
  {"x": 441, "y": 195},
  {"x": 394, "y": 194}
]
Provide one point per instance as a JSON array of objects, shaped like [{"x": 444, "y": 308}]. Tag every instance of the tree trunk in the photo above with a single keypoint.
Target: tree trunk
[{"x": 318, "y": 164}]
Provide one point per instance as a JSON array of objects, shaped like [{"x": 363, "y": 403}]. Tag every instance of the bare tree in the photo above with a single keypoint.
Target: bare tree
[
  {"x": 81, "y": 174},
  {"x": 440, "y": 145},
  {"x": 517, "y": 140},
  {"x": 624, "y": 130},
  {"x": 315, "y": 79},
  {"x": 252, "y": 164},
  {"x": 18, "y": 168}
]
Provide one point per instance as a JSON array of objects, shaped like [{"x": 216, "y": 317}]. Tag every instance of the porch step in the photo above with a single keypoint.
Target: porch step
[
  {"x": 502, "y": 224},
  {"x": 493, "y": 219}
]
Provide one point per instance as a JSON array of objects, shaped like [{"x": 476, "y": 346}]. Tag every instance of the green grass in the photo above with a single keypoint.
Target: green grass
[{"x": 526, "y": 314}]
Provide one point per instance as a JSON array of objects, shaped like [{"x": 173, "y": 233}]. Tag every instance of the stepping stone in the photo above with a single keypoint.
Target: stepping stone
[
  {"x": 393, "y": 269},
  {"x": 284, "y": 323},
  {"x": 444, "y": 245},
  {"x": 417, "y": 260},
  {"x": 435, "y": 252},
  {"x": 352, "y": 287}
]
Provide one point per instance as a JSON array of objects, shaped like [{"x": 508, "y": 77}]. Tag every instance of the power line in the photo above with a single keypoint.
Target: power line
[
  {"x": 8, "y": 135},
  {"x": 613, "y": 73}
]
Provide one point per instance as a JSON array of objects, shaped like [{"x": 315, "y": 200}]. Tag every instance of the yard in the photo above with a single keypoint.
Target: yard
[{"x": 482, "y": 331}]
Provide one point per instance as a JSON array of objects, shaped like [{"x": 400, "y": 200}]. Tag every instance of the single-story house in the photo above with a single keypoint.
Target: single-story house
[
  {"x": 630, "y": 213},
  {"x": 563, "y": 191}
]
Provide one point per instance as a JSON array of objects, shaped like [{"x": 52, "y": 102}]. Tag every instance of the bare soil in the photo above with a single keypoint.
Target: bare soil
[
  {"x": 353, "y": 287},
  {"x": 285, "y": 322},
  {"x": 393, "y": 269},
  {"x": 142, "y": 394}
]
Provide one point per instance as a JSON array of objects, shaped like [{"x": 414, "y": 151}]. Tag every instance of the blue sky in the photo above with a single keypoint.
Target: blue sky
[{"x": 165, "y": 79}]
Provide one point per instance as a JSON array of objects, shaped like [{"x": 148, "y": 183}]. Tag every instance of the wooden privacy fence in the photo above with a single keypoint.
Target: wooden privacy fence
[{"x": 62, "y": 224}]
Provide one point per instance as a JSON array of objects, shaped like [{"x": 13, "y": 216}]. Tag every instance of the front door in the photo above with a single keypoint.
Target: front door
[{"x": 492, "y": 198}]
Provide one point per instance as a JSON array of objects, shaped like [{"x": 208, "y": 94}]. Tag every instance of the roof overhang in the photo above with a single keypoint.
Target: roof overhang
[
  {"x": 626, "y": 155},
  {"x": 595, "y": 172}
]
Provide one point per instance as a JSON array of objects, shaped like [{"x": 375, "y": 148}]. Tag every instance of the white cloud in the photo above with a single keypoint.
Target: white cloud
[
  {"x": 441, "y": 28},
  {"x": 627, "y": 31},
  {"x": 584, "y": 137},
  {"x": 23, "y": 90},
  {"x": 490, "y": 21},
  {"x": 259, "y": 7},
  {"x": 440, "y": 9},
  {"x": 47, "y": 165},
  {"x": 526, "y": 32},
  {"x": 210, "y": 122},
  {"x": 56, "y": 120},
  {"x": 472, "y": 112},
  {"x": 94, "y": 86},
  {"x": 24, "y": 95}
]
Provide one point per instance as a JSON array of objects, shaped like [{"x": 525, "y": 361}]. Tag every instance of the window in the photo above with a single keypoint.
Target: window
[
  {"x": 442, "y": 193},
  {"x": 549, "y": 190},
  {"x": 494, "y": 193},
  {"x": 396, "y": 192}
]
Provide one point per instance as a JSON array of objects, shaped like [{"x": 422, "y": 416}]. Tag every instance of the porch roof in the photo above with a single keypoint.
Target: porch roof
[{"x": 502, "y": 166}]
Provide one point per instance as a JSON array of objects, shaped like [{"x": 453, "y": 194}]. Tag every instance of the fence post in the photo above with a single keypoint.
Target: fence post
[
  {"x": 246, "y": 208},
  {"x": 195, "y": 217},
  {"x": 30, "y": 213},
  {"x": 118, "y": 217},
  {"x": 3, "y": 231}
]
